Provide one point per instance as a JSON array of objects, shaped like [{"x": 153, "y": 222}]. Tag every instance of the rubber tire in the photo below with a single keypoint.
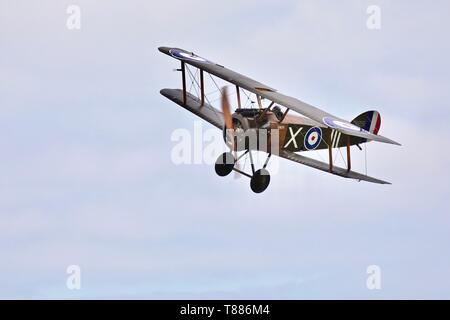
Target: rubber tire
[
  {"x": 225, "y": 164},
  {"x": 260, "y": 181}
]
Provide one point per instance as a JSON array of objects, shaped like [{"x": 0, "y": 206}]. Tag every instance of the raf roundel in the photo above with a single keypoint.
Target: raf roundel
[
  {"x": 341, "y": 125},
  {"x": 313, "y": 138},
  {"x": 183, "y": 55}
]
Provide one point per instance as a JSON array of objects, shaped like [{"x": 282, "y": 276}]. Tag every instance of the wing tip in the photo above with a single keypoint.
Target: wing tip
[
  {"x": 164, "y": 92},
  {"x": 164, "y": 49},
  {"x": 373, "y": 180},
  {"x": 385, "y": 140},
  {"x": 392, "y": 142}
]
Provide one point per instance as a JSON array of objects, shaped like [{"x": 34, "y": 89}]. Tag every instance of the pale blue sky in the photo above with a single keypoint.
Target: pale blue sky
[{"x": 86, "y": 175}]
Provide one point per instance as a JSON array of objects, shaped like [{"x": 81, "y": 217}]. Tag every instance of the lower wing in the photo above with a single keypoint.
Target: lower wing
[
  {"x": 325, "y": 167},
  {"x": 193, "y": 104}
]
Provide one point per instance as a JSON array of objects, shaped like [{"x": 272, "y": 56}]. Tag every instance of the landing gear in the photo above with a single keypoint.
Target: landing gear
[
  {"x": 225, "y": 164},
  {"x": 259, "y": 179}
]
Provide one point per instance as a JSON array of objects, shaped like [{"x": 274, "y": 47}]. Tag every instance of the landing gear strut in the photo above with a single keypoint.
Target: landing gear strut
[{"x": 259, "y": 179}]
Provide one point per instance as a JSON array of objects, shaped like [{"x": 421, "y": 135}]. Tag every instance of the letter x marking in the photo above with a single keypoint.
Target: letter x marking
[{"x": 293, "y": 135}]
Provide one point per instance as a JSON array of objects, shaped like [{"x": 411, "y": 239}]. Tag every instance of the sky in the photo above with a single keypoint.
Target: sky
[{"x": 87, "y": 176}]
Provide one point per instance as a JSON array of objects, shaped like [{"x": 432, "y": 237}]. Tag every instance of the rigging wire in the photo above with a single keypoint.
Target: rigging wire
[
  {"x": 220, "y": 90},
  {"x": 365, "y": 156},
  {"x": 198, "y": 94},
  {"x": 193, "y": 80},
  {"x": 342, "y": 157},
  {"x": 248, "y": 100}
]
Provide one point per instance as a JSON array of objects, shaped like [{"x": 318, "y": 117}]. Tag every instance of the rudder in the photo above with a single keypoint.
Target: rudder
[{"x": 369, "y": 121}]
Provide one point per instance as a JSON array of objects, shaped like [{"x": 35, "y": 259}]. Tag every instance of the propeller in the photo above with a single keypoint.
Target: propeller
[
  {"x": 228, "y": 119},
  {"x": 229, "y": 125},
  {"x": 226, "y": 109}
]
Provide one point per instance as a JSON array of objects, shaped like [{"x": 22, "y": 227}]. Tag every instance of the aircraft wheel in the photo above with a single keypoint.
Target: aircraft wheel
[
  {"x": 225, "y": 164},
  {"x": 260, "y": 181}
]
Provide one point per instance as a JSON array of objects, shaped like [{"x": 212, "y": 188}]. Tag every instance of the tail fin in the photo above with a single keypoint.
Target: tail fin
[{"x": 369, "y": 121}]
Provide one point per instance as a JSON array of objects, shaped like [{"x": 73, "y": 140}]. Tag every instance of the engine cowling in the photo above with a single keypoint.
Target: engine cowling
[{"x": 237, "y": 134}]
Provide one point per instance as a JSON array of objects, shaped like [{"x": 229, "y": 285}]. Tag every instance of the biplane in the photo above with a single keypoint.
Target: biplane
[{"x": 272, "y": 128}]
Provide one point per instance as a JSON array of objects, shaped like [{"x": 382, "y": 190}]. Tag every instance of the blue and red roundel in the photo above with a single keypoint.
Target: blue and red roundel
[
  {"x": 313, "y": 138},
  {"x": 186, "y": 56}
]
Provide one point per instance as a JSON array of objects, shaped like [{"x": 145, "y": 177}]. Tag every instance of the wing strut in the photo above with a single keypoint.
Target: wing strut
[
  {"x": 238, "y": 93},
  {"x": 349, "y": 162},
  {"x": 183, "y": 72},
  {"x": 330, "y": 152},
  {"x": 202, "y": 88},
  {"x": 284, "y": 115}
]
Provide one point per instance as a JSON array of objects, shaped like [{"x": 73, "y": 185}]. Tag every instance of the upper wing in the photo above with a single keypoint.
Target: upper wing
[
  {"x": 193, "y": 104},
  {"x": 267, "y": 92},
  {"x": 325, "y": 167},
  {"x": 215, "y": 69}
]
